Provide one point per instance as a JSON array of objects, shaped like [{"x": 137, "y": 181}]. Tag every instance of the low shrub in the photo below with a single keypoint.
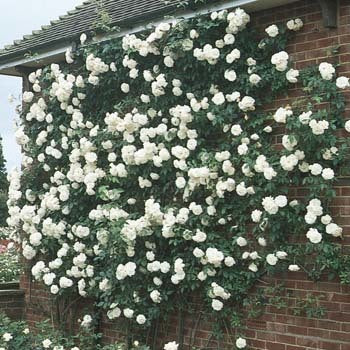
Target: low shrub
[
  {"x": 10, "y": 267},
  {"x": 16, "y": 335}
]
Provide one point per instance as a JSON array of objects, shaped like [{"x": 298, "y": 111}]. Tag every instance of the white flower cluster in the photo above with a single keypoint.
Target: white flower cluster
[
  {"x": 295, "y": 24},
  {"x": 139, "y": 199}
]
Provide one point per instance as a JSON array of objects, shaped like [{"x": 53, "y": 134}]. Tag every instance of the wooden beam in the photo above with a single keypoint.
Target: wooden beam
[
  {"x": 24, "y": 72},
  {"x": 330, "y": 10}
]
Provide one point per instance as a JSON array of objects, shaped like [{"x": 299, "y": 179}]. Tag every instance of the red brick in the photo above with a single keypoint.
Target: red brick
[
  {"x": 275, "y": 346},
  {"x": 285, "y": 339}
]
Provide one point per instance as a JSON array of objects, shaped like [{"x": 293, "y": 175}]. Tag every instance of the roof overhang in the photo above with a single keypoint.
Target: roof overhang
[{"x": 18, "y": 66}]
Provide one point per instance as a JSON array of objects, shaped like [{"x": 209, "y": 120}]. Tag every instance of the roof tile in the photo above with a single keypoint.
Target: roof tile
[{"x": 82, "y": 19}]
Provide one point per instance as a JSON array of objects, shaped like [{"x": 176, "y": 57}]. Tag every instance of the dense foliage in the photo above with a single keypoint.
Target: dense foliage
[
  {"x": 151, "y": 170},
  {"x": 16, "y": 335},
  {"x": 10, "y": 267}
]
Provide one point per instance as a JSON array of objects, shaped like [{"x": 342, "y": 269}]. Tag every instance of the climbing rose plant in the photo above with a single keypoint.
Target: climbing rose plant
[{"x": 152, "y": 169}]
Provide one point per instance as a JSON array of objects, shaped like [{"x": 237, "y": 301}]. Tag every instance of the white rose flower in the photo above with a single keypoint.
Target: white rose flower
[
  {"x": 281, "y": 201},
  {"x": 35, "y": 239},
  {"x": 230, "y": 75},
  {"x": 342, "y": 82},
  {"x": 141, "y": 319},
  {"x": 234, "y": 55},
  {"x": 304, "y": 118},
  {"x": 125, "y": 88},
  {"x": 289, "y": 142},
  {"x": 180, "y": 182},
  {"x": 28, "y": 252},
  {"x": 104, "y": 285},
  {"x": 36, "y": 88},
  {"x": 236, "y": 130},
  {"x": 46, "y": 343},
  {"x": 272, "y": 31},
  {"x": 229, "y": 261},
  {"x": 83, "y": 38},
  {"x": 198, "y": 253},
  {"x": 316, "y": 169},
  {"x": 219, "y": 98},
  {"x": 196, "y": 209},
  {"x": 293, "y": 268},
  {"x": 7, "y": 337},
  {"x": 214, "y": 15},
  {"x": 253, "y": 267},
  {"x": 54, "y": 289},
  {"x": 281, "y": 115},
  {"x": 292, "y": 75},
  {"x": 271, "y": 259},
  {"x": 280, "y": 60},
  {"x": 115, "y": 312},
  {"x": 65, "y": 282},
  {"x": 334, "y": 230},
  {"x": 28, "y": 96},
  {"x": 245, "y": 255},
  {"x": 48, "y": 278},
  {"x": 304, "y": 167},
  {"x": 262, "y": 241},
  {"x": 194, "y": 34},
  {"x": 256, "y": 215},
  {"x": 87, "y": 319},
  {"x": 310, "y": 218},
  {"x": 270, "y": 205},
  {"x": 171, "y": 346},
  {"x": 241, "y": 189},
  {"x": 202, "y": 276},
  {"x": 326, "y": 219},
  {"x": 168, "y": 61},
  {"x": 281, "y": 255},
  {"x": 217, "y": 305},
  {"x": 251, "y": 61},
  {"x": 318, "y": 127},
  {"x": 327, "y": 70},
  {"x": 155, "y": 296},
  {"x": 242, "y": 149},
  {"x": 241, "y": 343},
  {"x": 328, "y": 174},
  {"x": 199, "y": 236},
  {"x": 254, "y": 79},
  {"x": 214, "y": 256},
  {"x": 229, "y": 39},
  {"x": 347, "y": 125},
  {"x": 314, "y": 236},
  {"x": 247, "y": 104},
  {"x": 241, "y": 241}
]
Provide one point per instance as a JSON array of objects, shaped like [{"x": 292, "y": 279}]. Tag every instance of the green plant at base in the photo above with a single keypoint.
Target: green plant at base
[{"x": 10, "y": 267}]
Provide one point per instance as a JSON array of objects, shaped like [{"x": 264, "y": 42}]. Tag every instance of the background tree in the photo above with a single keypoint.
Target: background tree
[{"x": 3, "y": 187}]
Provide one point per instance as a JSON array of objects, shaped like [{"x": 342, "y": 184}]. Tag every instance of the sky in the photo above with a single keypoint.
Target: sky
[{"x": 17, "y": 18}]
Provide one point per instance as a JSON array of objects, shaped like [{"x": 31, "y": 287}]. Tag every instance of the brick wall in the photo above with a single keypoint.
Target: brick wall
[
  {"x": 37, "y": 301},
  {"x": 12, "y": 300},
  {"x": 277, "y": 328}
]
